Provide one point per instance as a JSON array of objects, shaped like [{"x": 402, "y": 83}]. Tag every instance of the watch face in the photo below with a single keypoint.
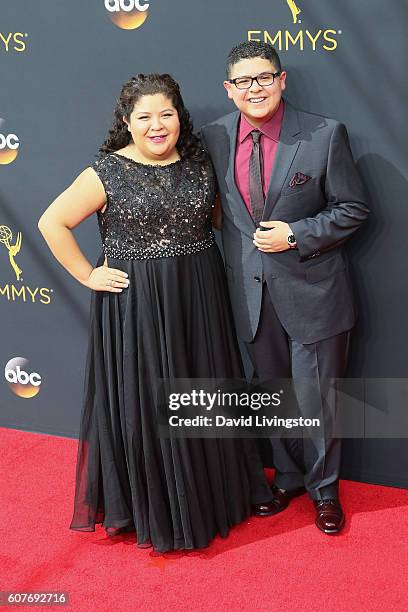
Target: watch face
[{"x": 291, "y": 239}]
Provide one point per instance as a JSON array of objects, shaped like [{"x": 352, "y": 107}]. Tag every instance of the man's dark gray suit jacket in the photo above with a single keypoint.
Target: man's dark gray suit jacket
[{"x": 310, "y": 286}]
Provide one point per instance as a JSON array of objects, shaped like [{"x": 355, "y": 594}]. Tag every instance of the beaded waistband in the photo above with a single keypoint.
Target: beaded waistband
[{"x": 158, "y": 251}]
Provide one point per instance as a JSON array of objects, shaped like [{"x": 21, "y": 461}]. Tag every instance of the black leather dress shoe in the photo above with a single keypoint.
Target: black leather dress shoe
[
  {"x": 266, "y": 509},
  {"x": 329, "y": 516},
  {"x": 282, "y": 497}
]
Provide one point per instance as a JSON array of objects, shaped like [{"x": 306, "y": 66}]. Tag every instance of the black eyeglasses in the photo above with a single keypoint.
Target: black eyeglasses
[{"x": 264, "y": 79}]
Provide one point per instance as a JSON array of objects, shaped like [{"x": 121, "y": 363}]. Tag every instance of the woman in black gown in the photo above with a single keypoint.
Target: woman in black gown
[{"x": 159, "y": 309}]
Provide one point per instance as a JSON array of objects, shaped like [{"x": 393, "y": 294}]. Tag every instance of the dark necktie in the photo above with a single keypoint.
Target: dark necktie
[{"x": 256, "y": 194}]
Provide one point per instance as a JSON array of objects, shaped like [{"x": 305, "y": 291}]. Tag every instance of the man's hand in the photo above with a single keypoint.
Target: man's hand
[{"x": 274, "y": 239}]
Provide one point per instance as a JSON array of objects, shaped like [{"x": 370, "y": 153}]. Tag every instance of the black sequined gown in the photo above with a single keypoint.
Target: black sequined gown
[{"x": 174, "y": 320}]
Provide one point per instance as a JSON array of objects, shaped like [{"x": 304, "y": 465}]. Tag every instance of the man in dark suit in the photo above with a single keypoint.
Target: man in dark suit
[{"x": 291, "y": 196}]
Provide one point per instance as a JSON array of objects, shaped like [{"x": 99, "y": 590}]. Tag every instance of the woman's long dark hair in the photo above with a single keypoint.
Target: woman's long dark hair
[{"x": 188, "y": 144}]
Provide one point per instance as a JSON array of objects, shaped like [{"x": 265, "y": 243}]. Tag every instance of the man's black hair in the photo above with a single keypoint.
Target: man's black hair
[{"x": 251, "y": 49}]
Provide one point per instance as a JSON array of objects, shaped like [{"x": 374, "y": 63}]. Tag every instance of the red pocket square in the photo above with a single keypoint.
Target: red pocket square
[{"x": 299, "y": 179}]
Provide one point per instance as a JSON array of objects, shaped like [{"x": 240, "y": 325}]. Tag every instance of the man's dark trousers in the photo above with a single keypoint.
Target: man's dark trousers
[{"x": 311, "y": 461}]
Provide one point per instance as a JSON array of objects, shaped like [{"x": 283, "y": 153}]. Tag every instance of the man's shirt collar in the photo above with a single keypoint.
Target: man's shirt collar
[{"x": 271, "y": 128}]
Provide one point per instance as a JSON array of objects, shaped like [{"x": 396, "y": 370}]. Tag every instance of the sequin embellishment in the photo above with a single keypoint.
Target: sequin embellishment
[{"x": 155, "y": 211}]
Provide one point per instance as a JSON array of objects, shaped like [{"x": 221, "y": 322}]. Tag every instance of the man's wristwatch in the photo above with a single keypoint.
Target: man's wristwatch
[{"x": 292, "y": 244}]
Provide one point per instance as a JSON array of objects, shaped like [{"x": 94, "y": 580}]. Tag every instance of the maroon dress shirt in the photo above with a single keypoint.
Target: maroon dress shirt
[{"x": 269, "y": 143}]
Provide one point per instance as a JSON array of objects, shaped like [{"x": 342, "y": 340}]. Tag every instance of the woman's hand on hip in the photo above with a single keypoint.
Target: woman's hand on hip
[{"x": 105, "y": 278}]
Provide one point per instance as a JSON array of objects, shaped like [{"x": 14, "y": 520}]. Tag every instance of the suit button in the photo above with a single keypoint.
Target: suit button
[{"x": 258, "y": 280}]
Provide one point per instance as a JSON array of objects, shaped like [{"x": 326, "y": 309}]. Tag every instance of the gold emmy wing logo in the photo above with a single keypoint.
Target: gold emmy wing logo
[
  {"x": 9, "y": 145},
  {"x": 18, "y": 291},
  {"x": 6, "y": 237},
  {"x": 297, "y": 35},
  {"x": 128, "y": 14},
  {"x": 294, "y": 9}
]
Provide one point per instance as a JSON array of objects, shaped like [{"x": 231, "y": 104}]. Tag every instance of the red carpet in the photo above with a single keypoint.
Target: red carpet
[{"x": 277, "y": 563}]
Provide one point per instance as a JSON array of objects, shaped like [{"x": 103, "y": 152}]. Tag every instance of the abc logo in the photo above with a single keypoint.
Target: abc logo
[
  {"x": 127, "y": 14},
  {"x": 9, "y": 144},
  {"x": 21, "y": 381}
]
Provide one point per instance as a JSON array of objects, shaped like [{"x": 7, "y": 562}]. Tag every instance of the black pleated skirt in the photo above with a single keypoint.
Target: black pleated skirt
[{"x": 174, "y": 320}]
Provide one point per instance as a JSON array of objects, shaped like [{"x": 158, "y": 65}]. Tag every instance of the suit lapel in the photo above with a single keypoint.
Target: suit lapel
[{"x": 287, "y": 148}]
